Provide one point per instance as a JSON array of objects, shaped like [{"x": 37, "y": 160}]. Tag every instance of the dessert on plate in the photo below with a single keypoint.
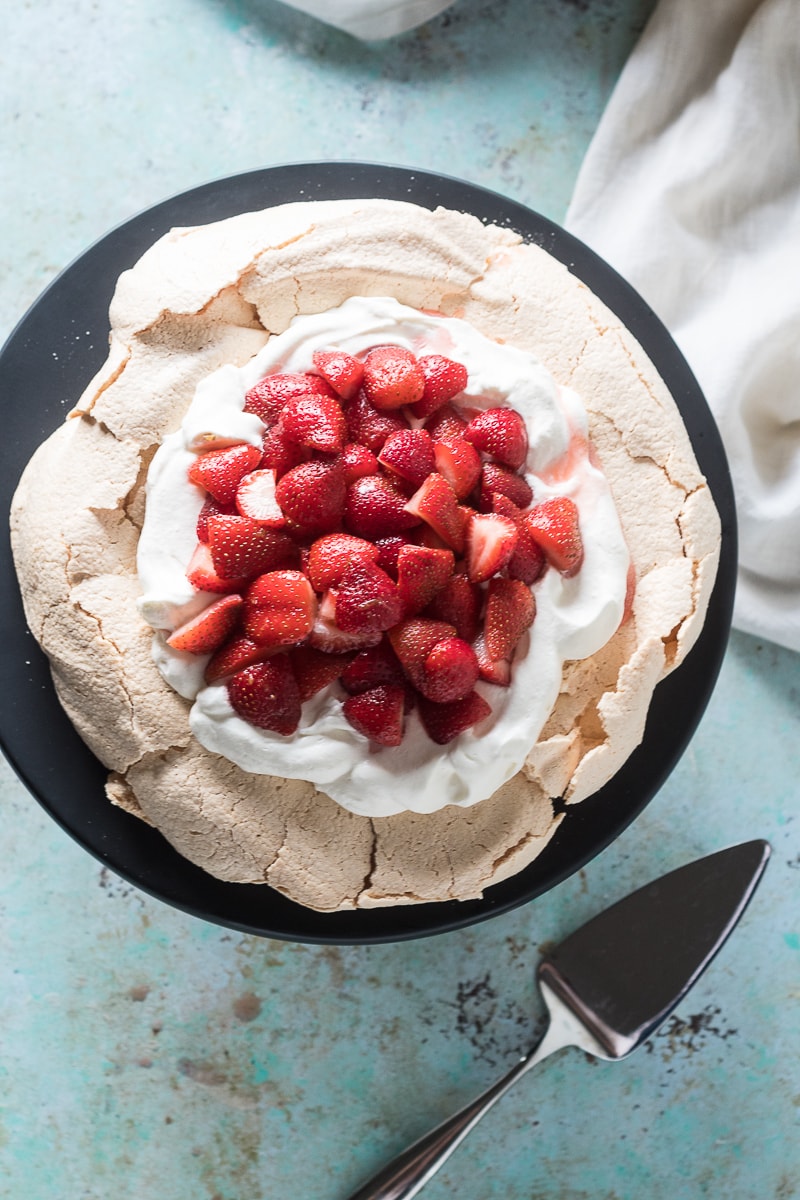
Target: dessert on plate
[{"x": 359, "y": 560}]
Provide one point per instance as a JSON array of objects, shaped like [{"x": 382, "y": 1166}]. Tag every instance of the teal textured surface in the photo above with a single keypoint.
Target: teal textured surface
[{"x": 144, "y": 1053}]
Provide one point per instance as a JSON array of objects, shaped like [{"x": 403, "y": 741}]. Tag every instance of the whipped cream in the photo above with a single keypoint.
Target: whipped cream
[{"x": 574, "y": 617}]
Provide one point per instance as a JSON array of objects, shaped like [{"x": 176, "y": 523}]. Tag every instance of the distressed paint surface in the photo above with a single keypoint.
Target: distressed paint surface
[{"x": 144, "y": 1053}]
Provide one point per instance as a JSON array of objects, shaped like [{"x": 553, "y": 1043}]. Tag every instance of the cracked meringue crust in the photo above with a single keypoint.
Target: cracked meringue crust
[{"x": 203, "y": 297}]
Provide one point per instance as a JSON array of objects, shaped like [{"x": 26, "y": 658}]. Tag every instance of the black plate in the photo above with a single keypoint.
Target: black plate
[{"x": 45, "y": 365}]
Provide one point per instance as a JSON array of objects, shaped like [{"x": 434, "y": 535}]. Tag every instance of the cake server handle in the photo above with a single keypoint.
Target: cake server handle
[{"x": 413, "y": 1167}]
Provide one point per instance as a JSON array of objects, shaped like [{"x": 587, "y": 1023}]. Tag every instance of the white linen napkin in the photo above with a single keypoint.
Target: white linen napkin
[
  {"x": 372, "y": 20},
  {"x": 691, "y": 189}
]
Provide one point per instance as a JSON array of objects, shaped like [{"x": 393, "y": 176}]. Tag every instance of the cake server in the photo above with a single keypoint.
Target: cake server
[{"x": 609, "y": 986}]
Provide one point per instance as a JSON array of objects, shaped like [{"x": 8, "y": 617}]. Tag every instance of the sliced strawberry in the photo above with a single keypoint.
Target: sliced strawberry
[
  {"x": 412, "y": 642},
  {"x": 388, "y": 551},
  {"x": 266, "y": 695},
  {"x": 436, "y": 503},
  {"x": 409, "y": 454},
  {"x": 357, "y": 462},
  {"x": 528, "y": 561},
  {"x": 255, "y": 498},
  {"x": 373, "y": 667},
  {"x": 392, "y": 377},
  {"x": 506, "y": 508},
  {"x": 209, "y": 629},
  {"x": 421, "y": 573},
  {"x": 232, "y": 656},
  {"x": 450, "y": 671},
  {"x": 459, "y": 463},
  {"x": 500, "y": 433},
  {"x": 496, "y": 479},
  {"x": 497, "y": 671},
  {"x": 444, "y": 379},
  {"x": 202, "y": 573},
  {"x": 368, "y": 426},
  {"x": 315, "y": 670},
  {"x": 444, "y": 722},
  {"x": 211, "y": 508},
  {"x": 279, "y": 609},
  {"x": 328, "y": 637},
  {"x": 314, "y": 421},
  {"x": 332, "y": 555},
  {"x": 425, "y": 535},
  {"x": 377, "y": 714},
  {"x": 555, "y": 525},
  {"x": 268, "y": 397},
  {"x": 446, "y": 424},
  {"x": 367, "y": 599},
  {"x": 312, "y": 496},
  {"x": 280, "y": 453},
  {"x": 240, "y": 547},
  {"x": 510, "y": 611},
  {"x": 343, "y": 372},
  {"x": 459, "y": 603},
  {"x": 374, "y": 508},
  {"x": 219, "y": 472},
  {"x": 491, "y": 540}
]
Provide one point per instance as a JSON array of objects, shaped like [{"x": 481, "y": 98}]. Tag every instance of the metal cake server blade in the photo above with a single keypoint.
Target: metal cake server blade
[{"x": 609, "y": 986}]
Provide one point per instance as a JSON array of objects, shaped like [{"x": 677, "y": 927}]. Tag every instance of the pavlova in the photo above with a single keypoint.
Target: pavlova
[{"x": 361, "y": 557}]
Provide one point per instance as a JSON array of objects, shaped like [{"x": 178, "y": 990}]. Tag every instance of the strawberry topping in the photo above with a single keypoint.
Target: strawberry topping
[
  {"x": 266, "y": 695},
  {"x": 209, "y": 629},
  {"x": 554, "y": 524},
  {"x": 500, "y": 433},
  {"x": 279, "y": 609},
  {"x": 240, "y": 547},
  {"x": 312, "y": 496},
  {"x": 343, "y": 372},
  {"x": 444, "y": 379},
  {"x": 219, "y": 472},
  {"x": 362, "y": 551},
  {"x": 392, "y": 377},
  {"x": 378, "y": 714}
]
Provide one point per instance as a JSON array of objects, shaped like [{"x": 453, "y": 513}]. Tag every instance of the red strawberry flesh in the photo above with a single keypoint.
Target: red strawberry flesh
[
  {"x": 422, "y": 572},
  {"x": 312, "y": 496},
  {"x": 367, "y": 599},
  {"x": 219, "y": 472},
  {"x": 554, "y": 525},
  {"x": 409, "y": 453},
  {"x": 232, "y": 656},
  {"x": 374, "y": 508},
  {"x": 268, "y": 397},
  {"x": 266, "y": 695},
  {"x": 331, "y": 556},
  {"x": 209, "y": 629},
  {"x": 500, "y": 433},
  {"x": 450, "y": 671},
  {"x": 491, "y": 541},
  {"x": 241, "y": 547},
  {"x": 436, "y": 503},
  {"x": 314, "y": 421},
  {"x": 444, "y": 722},
  {"x": 392, "y": 377},
  {"x": 510, "y": 611},
  {"x": 378, "y": 714},
  {"x": 315, "y": 670},
  {"x": 279, "y": 608},
  {"x": 444, "y": 379},
  {"x": 341, "y": 370}
]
